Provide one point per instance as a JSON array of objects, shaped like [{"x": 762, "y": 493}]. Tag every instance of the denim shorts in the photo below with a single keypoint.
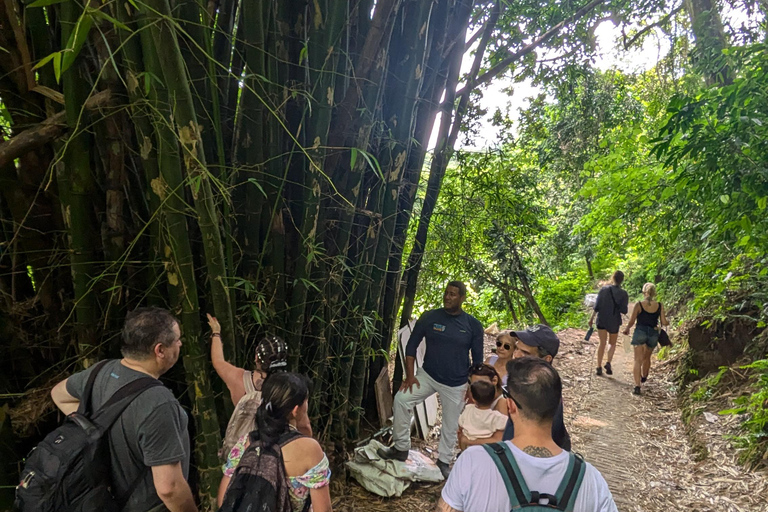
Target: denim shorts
[{"x": 645, "y": 335}]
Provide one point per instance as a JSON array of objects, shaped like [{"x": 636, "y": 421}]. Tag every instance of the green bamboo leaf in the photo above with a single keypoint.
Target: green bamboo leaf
[
  {"x": 76, "y": 40},
  {"x": 256, "y": 183},
  {"x": 352, "y": 157},
  {"x": 43, "y": 3},
  {"x": 57, "y": 66},
  {"x": 45, "y": 60},
  {"x": 105, "y": 16}
]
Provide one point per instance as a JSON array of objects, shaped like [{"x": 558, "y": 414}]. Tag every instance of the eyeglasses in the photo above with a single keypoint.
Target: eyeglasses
[
  {"x": 505, "y": 394},
  {"x": 507, "y": 346}
]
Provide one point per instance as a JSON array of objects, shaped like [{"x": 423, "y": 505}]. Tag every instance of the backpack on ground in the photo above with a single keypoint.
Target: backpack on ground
[
  {"x": 522, "y": 498},
  {"x": 260, "y": 482},
  {"x": 69, "y": 471},
  {"x": 243, "y": 419}
]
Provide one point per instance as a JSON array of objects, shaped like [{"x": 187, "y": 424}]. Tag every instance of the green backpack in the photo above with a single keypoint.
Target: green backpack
[{"x": 519, "y": 495}]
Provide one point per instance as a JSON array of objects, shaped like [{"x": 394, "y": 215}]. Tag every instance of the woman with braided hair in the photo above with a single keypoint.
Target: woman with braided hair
[
  {"x": 245, "y": 386},
  {"x": 275, "y": 468}
]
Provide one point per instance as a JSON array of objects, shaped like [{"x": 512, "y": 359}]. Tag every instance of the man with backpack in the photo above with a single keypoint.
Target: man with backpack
[
  {"x": 148, "y": 443},
  {"x": 531, "y": 471}
]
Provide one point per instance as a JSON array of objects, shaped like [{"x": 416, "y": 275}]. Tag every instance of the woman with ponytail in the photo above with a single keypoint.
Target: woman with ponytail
[
  {"x": 275, "y": 468},
  {"x": 245, "y": 386}
]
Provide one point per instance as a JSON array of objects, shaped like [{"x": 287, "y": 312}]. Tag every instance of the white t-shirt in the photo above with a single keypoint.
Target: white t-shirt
[
  {"x": 475, "y": 484},
  {"x": 478, "y": 423}
]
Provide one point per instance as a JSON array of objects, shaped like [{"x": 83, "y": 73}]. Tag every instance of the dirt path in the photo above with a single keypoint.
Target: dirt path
[{"x": 637, "y": 442}]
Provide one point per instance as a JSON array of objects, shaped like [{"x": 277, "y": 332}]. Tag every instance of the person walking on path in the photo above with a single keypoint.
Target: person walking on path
[
  {"x": 505, "y": 347},
  {"x": 149, "y": 443},
  {"x": 450, "y": 335},
  {"x": 245, "y": 386},
  {"x": 612, "y": 302},
  {"x": 647, "y": 312},
  {"x": 531, "y": 468}
]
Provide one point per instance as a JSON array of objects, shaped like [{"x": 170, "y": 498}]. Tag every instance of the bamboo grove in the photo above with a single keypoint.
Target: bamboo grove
[{"x": 254, "y": 159}]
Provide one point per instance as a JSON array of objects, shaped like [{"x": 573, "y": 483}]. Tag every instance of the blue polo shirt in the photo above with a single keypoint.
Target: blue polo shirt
[{"x": 449, "y": 340}]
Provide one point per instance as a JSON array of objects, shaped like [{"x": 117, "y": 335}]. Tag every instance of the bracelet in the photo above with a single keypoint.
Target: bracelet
[{"x": 213, "y": 335}]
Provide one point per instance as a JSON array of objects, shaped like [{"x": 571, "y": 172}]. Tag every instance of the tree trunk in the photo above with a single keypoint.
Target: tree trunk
[{"x": 710, "y": 41}]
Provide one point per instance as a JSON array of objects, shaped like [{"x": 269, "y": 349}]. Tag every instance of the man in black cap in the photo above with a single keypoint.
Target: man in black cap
[
  {"x": 535, "y": 341},
  {"x": 540, "y": 341}
]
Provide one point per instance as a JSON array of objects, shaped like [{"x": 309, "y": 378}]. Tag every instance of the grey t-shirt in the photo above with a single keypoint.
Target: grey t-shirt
[{"x": 152, "y": 431}]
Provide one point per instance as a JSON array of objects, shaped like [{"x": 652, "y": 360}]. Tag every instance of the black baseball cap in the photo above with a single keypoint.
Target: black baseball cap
[{"x": 539, "y": 335}]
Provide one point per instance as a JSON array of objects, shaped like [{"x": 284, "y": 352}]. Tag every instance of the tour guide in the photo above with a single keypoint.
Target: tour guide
[{"x": 450, "y": 334}]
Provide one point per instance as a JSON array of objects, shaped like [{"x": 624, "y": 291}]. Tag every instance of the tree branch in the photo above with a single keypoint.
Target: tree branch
[
  {"x": 662, "y": 21},
  {"x": 45, "y": 132},
  {"x": 504, "y": 64}
]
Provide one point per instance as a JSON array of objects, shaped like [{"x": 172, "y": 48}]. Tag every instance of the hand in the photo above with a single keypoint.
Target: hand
[
  {"x": 408, "y": 383},
  {"x": 591, "y": 321},
  {"x": 626, "y": 331},
  {"x": 213, "y": 324},
  {"x": 462, "y": 439}
]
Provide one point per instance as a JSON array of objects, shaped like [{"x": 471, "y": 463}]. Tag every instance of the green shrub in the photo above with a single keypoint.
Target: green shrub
[{"x": 754, "y": 440}]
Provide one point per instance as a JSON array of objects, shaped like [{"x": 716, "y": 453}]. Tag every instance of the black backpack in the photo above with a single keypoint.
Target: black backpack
[
  {"x": 259, "y": 482},
  {"x": 69, "y": 471}
]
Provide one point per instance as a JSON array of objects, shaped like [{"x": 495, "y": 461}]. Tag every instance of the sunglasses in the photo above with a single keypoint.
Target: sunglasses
[
  {"x": 505, "y": 394},
  {"x": 507, "y": 346}
]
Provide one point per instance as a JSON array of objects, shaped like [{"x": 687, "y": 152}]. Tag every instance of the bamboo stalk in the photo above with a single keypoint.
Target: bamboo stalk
[
  {"x": 77, "y": 188},
  {"x": 180, "y": 277},
  {"x": 197, "y": 176}
]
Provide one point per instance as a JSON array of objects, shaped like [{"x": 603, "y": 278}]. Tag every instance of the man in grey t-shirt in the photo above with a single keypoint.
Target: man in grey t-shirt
[{"x": 149, "y": 443}]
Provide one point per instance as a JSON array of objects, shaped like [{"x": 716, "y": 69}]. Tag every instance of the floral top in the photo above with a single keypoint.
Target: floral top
[{"x": 299, "y": 486}]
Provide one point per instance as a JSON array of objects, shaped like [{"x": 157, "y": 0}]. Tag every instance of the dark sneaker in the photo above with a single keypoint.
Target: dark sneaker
[
  {"x": 599, "y": 371},
  {"x": 643, "y": 379},
  {"x": 445, "y": 468},
  {"x": 636, "y": 391},
  {"x": 608, "y": 369},
  {"x": 392, "y": 454}
]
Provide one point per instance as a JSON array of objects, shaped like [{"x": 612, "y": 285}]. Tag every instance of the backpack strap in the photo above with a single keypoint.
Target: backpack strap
[
  {"x": 248, "y": 382},
  {"x": 510, "y": 473},
  {"x": 571, "y": 483},
  {"x": 122, "y": 398},
  {"x": 85, "y": 400}
]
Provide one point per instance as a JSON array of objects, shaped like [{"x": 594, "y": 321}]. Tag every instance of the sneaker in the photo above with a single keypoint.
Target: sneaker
[
  {"x": 599, "y": 371},
  {"x": 393, "y": 454},
  {"x": 636, "y": 391},
  {"x": 608, "y": 369},
  {"x": 643, "y": 379},
  {"x": 445, "y": 468}
]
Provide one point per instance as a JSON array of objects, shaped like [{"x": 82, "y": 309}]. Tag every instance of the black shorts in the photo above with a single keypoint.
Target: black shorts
[{"x": 611, "y": 330}]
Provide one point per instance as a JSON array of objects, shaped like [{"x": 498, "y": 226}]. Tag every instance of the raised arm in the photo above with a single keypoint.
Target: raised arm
[{"x": 229, "y": 373}]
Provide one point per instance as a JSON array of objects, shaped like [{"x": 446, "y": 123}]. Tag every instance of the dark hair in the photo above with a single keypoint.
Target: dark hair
[
  {"x": 272, "y": 354},
  {"x": 144, "y": 328},
  {"x": 536, "y": 385},
  {"x": 486, "y": 370},
  {"x": 618, "y": 277},
  {"x": 460, "y": 285},
  {"x": 483, "y": 392},
  {"x": 280, "y": 393}
]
